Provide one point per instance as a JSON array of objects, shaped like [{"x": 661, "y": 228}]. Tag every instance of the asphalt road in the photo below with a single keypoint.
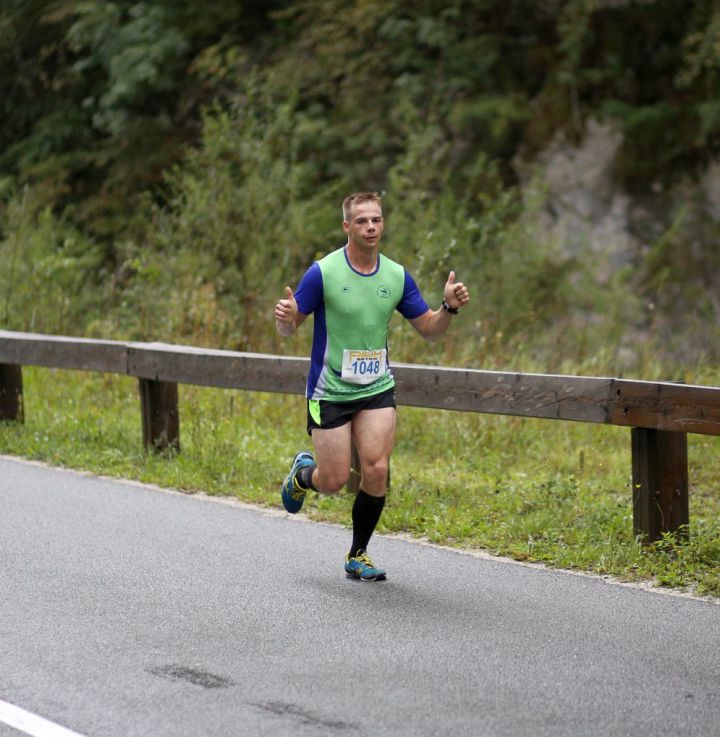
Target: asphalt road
[{"x": 126, "y": 611}]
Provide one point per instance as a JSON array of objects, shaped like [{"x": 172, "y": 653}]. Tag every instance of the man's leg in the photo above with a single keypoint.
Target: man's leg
[
  {"x": 374, "y": 434},
  {"x": 373, "y": 431},
  {"x": 332, "y": 457},
  {"x": 327, "y": 472}
]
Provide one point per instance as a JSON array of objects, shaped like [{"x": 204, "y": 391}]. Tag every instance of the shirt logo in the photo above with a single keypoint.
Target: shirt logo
[
  {"x": 346, "y": 290},
  {"x": 383, "y": 291}
]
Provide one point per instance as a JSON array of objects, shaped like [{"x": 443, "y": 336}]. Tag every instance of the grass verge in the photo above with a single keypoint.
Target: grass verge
[{"x": 535, "y": 490}]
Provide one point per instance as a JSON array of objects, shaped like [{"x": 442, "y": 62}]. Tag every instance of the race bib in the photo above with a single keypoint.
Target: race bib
[{"x": 363, "y": 367}]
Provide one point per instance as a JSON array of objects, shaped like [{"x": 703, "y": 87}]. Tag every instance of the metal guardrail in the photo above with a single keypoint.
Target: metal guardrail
[{"x": 659, "y": 413}]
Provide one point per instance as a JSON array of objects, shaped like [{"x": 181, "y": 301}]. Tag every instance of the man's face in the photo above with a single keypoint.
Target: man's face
[{"x": 365, "y": 226}]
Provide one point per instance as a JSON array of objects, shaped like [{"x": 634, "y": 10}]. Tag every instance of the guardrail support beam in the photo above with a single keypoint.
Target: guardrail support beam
[
  {"x": 160, "y": 416},
  {"x": 660, "y": 483},
  {"x": 11, "y": 392}
]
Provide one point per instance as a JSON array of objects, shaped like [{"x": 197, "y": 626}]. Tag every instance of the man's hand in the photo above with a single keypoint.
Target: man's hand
[
  {"x": 286, "y": 312},
  {"x": 456, "y": 293},
  {"x": 434, "y": 323}
]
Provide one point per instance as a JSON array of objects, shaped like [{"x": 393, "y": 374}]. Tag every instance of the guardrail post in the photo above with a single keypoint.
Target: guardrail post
[
  {"x": 11, "y": 392},
  {"x": 660, "y": 483},
  {"x": 353, "y": 483},
  {"x": 160, "y": 416}
]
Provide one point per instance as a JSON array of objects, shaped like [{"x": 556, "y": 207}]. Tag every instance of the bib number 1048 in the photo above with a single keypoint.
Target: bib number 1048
[{"x": 363, "y": 367}]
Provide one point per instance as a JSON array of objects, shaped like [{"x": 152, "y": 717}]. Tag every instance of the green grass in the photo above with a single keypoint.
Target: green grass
[{"x": 551, "y": 492}]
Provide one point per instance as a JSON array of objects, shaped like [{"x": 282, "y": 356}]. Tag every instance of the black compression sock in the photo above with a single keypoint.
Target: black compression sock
[
  {"x": 304, "y": 477},
  {"x": 366, "y": 512}
]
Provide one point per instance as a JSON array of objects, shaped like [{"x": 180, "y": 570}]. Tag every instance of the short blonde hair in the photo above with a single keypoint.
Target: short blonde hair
[{"x": 356, "y": 199}]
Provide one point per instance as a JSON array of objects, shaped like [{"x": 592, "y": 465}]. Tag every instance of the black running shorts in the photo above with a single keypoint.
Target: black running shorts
[{"x": 324, "y": 415}]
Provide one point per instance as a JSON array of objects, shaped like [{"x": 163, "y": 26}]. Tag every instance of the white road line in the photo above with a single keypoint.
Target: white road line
[{"x": 30, "y": 723}]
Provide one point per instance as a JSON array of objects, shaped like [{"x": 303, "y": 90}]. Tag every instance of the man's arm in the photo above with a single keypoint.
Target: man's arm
[
  {"x": 292, "y": 311},
  {"x": 434, "y": 323},
  {"x": 287, "y": 316}
]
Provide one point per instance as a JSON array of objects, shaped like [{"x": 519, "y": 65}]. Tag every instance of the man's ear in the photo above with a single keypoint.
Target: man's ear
[{"x": 346, "y": 226}]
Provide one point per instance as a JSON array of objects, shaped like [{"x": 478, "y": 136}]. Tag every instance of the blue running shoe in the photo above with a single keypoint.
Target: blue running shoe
[
  {"x": 292, "y": 495},
  {"x": 360, "y": 566}
]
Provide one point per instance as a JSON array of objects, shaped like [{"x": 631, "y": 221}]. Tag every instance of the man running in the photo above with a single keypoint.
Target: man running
[{"x": 352, "y": 293}]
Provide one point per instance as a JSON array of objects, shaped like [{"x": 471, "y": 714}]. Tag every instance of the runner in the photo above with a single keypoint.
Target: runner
[{"x": 352, "y": 293}]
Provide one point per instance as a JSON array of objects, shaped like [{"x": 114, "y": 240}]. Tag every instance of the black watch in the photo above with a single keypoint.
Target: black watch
[{"x": 447, "y": 308}]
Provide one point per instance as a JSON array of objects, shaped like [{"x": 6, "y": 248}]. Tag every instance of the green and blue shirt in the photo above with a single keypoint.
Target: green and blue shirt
[{"x": 352, "y": 311}]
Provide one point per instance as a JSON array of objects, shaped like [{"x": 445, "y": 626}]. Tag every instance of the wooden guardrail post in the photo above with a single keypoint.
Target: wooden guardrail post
[
  {"x": 660, "y": 483},
  {"x": 353, "y": 483},
  {"x": 160, "y": 416},
  {"x": 11, "y": 392}
]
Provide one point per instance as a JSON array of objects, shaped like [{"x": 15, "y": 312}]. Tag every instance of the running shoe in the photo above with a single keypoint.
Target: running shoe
[
  {"x": 360, "y": 566},
  {"x": 292, "y": 495}
]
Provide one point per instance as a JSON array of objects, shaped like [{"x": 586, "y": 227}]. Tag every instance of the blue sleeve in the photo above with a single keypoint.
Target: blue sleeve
[
  {"x": 411, "y": 304},
  {"x": 309, "y": 292}
]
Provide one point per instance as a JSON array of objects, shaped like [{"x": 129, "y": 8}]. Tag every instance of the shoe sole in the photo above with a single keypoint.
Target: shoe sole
[
  {"x": 356, "y": 577},
  {"x": 293, "y": 510},
  {"x": 292, "y": 502}
]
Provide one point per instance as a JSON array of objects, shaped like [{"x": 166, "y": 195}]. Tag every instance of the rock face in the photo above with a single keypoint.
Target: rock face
[
  {"x": 671, "y": 239},
  {"x": 585, "y": 210},
  {"x": 710, "y": 187}
]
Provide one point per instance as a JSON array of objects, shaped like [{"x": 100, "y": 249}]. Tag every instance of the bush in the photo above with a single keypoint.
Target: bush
[{"x": 49, "y": 278}]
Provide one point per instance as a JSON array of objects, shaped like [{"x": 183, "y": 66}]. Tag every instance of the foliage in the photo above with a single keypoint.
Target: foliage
[
  {"x": 242, "y": 213},
  {"x": 481, "y": 71},
  {"x": 196, "y": 154},
  {"x": 137, "y": 57},
  {"x": 47, "y": 284}
]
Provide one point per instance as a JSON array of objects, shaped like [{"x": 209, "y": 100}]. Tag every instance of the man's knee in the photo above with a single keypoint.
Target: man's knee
[
  {"x": 332, "y": 482},
  {"x": 377, "y": 470}
]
